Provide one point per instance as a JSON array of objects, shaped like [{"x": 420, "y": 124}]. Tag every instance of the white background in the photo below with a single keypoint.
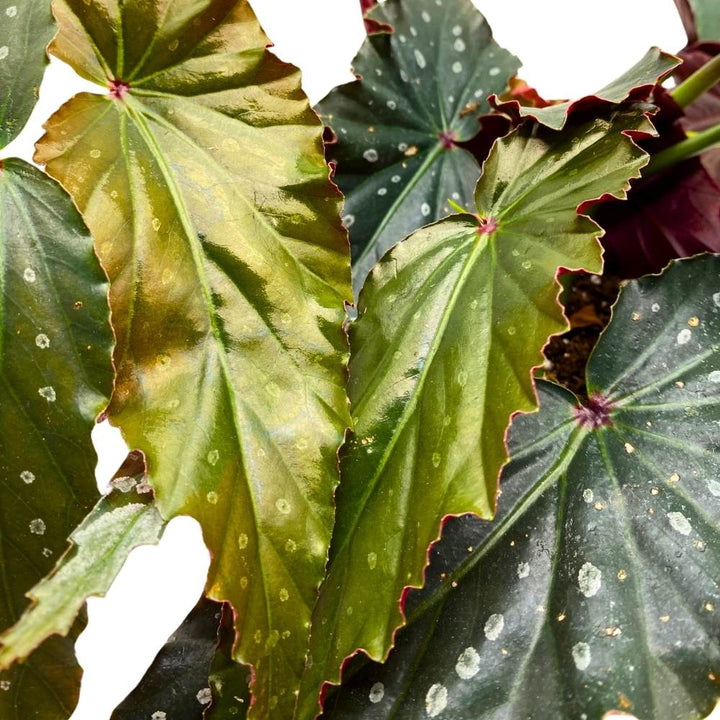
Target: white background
[{"x": 569, "y": 48}]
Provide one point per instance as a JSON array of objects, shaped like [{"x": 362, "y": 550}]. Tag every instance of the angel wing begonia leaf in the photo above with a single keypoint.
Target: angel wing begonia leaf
[
  {"x": 55, "y": 377},
  {"x": 420, "y": 91},
  {"x": 175, "y": 686},
  {"x": 451, "y": 323},
  {"x": 635, "y": 84},
  {"x": 202, "y": 177},
  {"x": 120, "y": 522},
  {"x": 26, "y": 28},
  {"x": 596, "y": 588}
]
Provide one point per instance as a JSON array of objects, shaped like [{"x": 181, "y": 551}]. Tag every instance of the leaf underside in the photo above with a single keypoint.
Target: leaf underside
[
  {"x": 204, "y": 183},
  {"x": 56, "y": 377},
  {"x": 26, "y": 28},
  {"x": 675, "y": 214},
  {"x": 426, "y": 80},
  {"x": 451, "y": 323},
  {"x": 596, "y": 588}
]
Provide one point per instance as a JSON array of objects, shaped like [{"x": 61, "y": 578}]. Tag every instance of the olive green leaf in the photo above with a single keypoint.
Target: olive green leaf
[
  {"x": 120, "y": 522},
  {"x": 203, "y": 180},
  {"x": 55, "y": 377},
  {"x": 701, "y": 19},
  {"x": 26, "y": 28},
  {"x": 636, "y": 83},
  {"x": 451, "y": 323},
  {"x": 420, "y": 91},
  {"x": 176, "y": 685},
  {"x": 596, "y": 588}
]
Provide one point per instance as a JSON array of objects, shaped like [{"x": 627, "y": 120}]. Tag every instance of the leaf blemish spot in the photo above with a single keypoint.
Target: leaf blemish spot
[{"x": 589, "y": 580}]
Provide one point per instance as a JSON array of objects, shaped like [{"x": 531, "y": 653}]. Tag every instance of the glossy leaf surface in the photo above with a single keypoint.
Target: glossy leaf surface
[
  {"x": 120, "y": 522},
  {"x": 636, "y": 84},
  {"x": 203, "y": 180},
  {"x": 421, "y": 90},
  {"x": 176, "y": 684},
  {"x": 55, "y": 377},
  {"x": 451, "y": 323},
  {"x": 596, "y": 588},
  {"x": 26, "y": 27}
]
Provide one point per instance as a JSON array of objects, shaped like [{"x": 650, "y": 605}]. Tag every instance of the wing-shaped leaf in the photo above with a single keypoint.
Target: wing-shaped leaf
[
  {"x": 55, "y": 377},
  {"x": 451, "y": 323},
  {"x": 636, "y": 84},
  {"x": 26, "y": 28},
  {"x": 176, "y": 685},
  {"x": 596, "y": 588},
  {"x": 120, "y": 522},
  {"x": 701, "y": 19},
  {"x": 203, "y": 180},
  {"x": 420, "y": 91}
]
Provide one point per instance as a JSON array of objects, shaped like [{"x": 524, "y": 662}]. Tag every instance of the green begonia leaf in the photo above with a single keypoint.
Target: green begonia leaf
[
  {"x": 451, "y": 323},
  {"x": 55, "y": 378},
  {"x": 596, "y": 588},
  {"x": 203, "y": 180},
  {"x": 26, "y": 27},
  {"x": 637, "y": 83},
  {"x": 420, "y": 91},
  {"x": 120, "y": 522},
  {"x": 176, "y": 685},
  {"x": 701, "y": 19}
]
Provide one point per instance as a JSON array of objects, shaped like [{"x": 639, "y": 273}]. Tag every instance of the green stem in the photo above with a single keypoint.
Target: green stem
[
  {"x": 684, "y": 150},
  {"x": 698, "y": 83}
]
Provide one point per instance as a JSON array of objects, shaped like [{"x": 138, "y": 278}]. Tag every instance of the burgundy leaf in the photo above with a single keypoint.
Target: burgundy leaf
[
  {"x": 705, "y": 111},
  {"x": 678, "y": 214},
  {"x": 671, "y": 216}
]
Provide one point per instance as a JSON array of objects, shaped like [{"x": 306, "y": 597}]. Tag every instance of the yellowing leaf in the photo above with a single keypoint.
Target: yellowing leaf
[{"x": 203, "y": 180}]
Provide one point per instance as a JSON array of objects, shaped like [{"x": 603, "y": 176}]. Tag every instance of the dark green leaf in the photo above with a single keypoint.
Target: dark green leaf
[
  {"x": 203, "y": 180},
  {"x": 451, "y": 323},
  {"x": 636, "y": 84},
  {"x": 55, "y": 377},
  {"x": 176, "y": 685},
  {"x": 228, "y": 680},
  {"x": 597, "y": 586},
  {"x": 26, "y": 27},
  {"x": 120, "y": 522},
  {"x": 421, "y": 90}
]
